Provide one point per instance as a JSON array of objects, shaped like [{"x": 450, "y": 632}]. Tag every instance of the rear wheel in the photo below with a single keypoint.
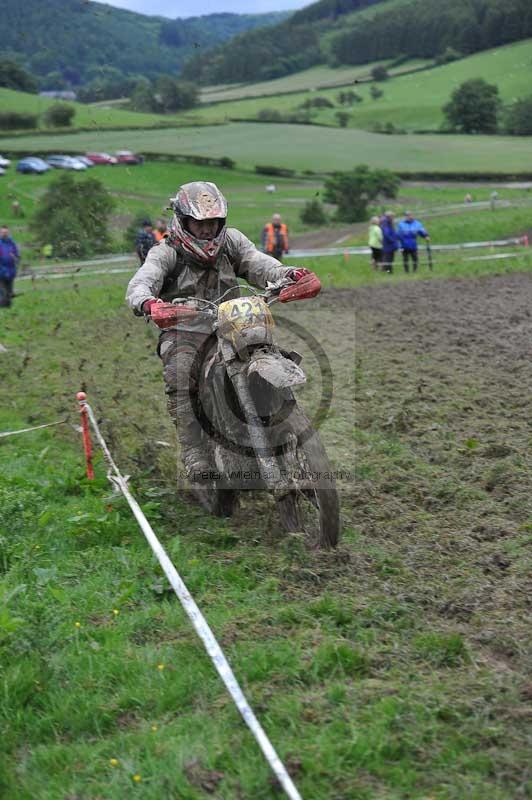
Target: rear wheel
[{"x": 312, "y": 506}]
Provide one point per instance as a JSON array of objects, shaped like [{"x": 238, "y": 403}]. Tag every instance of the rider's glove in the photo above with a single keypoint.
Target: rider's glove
[
  {"x": 297, "y": 274},
  {"x": 147, "y": 306}
]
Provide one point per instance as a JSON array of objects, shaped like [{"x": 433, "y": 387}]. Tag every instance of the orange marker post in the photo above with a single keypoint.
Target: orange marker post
[{"x": 85, "y": 431}]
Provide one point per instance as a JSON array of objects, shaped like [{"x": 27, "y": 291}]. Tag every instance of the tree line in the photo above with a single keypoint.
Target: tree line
[
  {"x": 426, "y": 28},
  {"x": 322, "y": 33},
  {"x": 65, "y": 43}
]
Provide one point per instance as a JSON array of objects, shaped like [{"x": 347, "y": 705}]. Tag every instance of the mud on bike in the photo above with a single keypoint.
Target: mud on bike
[{"x": 255, "y": 435}]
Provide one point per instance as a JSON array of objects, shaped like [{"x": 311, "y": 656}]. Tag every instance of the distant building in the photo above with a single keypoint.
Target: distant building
[{"x": 59, "y": 95}]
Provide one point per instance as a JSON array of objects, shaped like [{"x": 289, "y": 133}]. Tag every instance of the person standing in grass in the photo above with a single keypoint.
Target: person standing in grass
[
  {"x": 375, "y": 242},
  {"x": 408, "y": 231},
  {"x": 390, "y": 241},
  {"x": 144, "y": 241},
  {"x": 161, "y": 230},
  {"x": 9, "y": 258},
  {"x": 275, "y": 238}
]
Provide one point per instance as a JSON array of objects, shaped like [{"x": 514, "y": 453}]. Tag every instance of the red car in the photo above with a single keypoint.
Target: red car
[
  {"x": 101, "y": 158},
  {"x": 127, "y": 157}
]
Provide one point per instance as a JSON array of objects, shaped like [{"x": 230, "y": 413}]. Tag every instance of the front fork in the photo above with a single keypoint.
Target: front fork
[{"x": 271, "y": 473}]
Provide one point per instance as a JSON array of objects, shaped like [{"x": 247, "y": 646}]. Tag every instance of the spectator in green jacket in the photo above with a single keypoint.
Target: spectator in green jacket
[{"x": 375, "y": 242}]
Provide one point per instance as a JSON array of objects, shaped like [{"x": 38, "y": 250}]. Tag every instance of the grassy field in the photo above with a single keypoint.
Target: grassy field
[
  {"x": 320, "y": 77},
  {"x": 303, "y": 147},
  {"x": 411, "y": 102},
  {"x": 87, "y": 116},
  {"x": 397, "y": 669},
  {"x": 145, "y": 191},
  {"x": 473, "y": 226}
]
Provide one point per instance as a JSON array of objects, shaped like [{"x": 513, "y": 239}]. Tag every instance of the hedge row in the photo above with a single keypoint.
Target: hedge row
[
  {"x": 14, "y": 120},
  {"x": 62, "y": 131},
  {"x": 285, "y": 172}
]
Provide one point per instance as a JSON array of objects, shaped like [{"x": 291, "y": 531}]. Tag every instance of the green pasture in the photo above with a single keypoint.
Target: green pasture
[
  {"x": 356, "y": 675},
  {"x": 145, "y": 190},
  {"x": 302, "y": 147},
  {"x": 410, "y": 102},
  {"x": 94, "y": 116},
  {"x": 466, "y": 225},
  {"x": 315, "y": 78}
]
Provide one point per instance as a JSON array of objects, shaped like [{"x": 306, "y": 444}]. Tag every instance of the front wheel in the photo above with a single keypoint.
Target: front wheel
[{"x": 312, "y": 506}]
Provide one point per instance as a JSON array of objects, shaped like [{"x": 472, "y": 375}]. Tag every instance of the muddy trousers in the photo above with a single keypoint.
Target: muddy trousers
[{"x": 179, "y": 354}]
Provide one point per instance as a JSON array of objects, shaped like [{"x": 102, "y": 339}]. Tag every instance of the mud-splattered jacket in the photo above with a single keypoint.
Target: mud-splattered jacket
[{"x": 169, "y": 272}]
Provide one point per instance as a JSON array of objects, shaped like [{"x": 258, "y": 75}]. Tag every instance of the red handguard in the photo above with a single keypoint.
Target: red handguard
[
  {"x": 166, "y": 315},
  {"x": 306, "y": 287}
]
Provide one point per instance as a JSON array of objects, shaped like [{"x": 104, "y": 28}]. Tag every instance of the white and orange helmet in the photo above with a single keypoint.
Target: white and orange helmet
[{"x": 198, "y": 200}]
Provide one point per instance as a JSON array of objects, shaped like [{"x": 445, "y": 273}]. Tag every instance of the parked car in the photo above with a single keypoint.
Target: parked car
[
  {"x": 4, "y": 162},
  {"x": 85, "y": 160},
  {"x": 127, "y": 157},
  {"x": 65, "y": 162},
  {"x": 33, "y": 164},
  {"x": 101, "y": 158}
]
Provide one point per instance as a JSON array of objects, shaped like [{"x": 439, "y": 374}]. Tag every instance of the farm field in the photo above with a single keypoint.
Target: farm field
[
  {"x": 398, "y": 667},
  {"x": 303, "y": 147},
  {"x": 312, "y": 79},
  {"x": 94, "y": 116},
  {"x": 144, "y": 191},
  {"x": 411, "y": 102}
]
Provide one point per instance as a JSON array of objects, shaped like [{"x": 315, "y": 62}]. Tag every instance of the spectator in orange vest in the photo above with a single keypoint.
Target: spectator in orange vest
[
  {"x": 160, "y": 230},
  {"x": 275, "y": 238}
]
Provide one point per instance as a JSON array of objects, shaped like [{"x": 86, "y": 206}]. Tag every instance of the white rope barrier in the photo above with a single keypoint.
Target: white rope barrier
[
  {"x": 81, "y": 271},
  {"x": 35, "y": 428},
  {"x": 196, "y": 617}
]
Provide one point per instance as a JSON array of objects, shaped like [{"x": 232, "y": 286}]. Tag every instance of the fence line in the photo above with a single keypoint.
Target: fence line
[
  {"x": 35, "y": 428},
  {"x": 68, "y": 271}
]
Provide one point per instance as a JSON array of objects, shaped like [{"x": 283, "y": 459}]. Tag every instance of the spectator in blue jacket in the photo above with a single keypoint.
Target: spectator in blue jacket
[
  {"x": 390, "y": 241},
  {"x": 9, "y": 257},
  {"x": 408, "y": 230},
  {"x": 144, "y": 240}
]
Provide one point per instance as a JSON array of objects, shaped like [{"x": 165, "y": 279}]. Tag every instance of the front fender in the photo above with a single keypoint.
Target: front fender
[{"x": 276, "y": 370}]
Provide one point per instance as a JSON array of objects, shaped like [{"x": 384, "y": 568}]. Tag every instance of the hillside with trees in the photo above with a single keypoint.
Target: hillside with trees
[
  {"x": 341, "y": 32},
  {"x": 282, "y": 49},
  {"x": 68, "y": 43},
  {"x": 427, "y": 28}
]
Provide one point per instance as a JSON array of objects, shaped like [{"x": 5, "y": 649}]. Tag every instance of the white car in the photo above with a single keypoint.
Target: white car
[
  {"x": 65, "y": 162},
  {"x": 84, "y": 160},
  {"x": 4, "y": 162}
]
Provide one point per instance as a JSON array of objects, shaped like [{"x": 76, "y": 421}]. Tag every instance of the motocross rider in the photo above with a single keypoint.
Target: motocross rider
[{"x": 200, "y": 257}]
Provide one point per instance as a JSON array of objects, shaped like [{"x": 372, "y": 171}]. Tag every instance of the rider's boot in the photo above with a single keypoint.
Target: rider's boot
[{"x": 193, "y": 451}]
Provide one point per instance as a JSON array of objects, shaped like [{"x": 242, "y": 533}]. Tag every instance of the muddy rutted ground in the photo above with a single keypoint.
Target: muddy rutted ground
[
  {"x": 438, "y": 516},
  {"x": 443, "y": 385}
]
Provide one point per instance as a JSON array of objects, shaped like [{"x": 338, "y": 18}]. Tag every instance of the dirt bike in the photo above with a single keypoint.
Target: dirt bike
[{"x": 254, "y": 432}]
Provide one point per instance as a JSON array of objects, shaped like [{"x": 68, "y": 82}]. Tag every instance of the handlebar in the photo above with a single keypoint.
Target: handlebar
[{"x": 183, "y": 309}]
